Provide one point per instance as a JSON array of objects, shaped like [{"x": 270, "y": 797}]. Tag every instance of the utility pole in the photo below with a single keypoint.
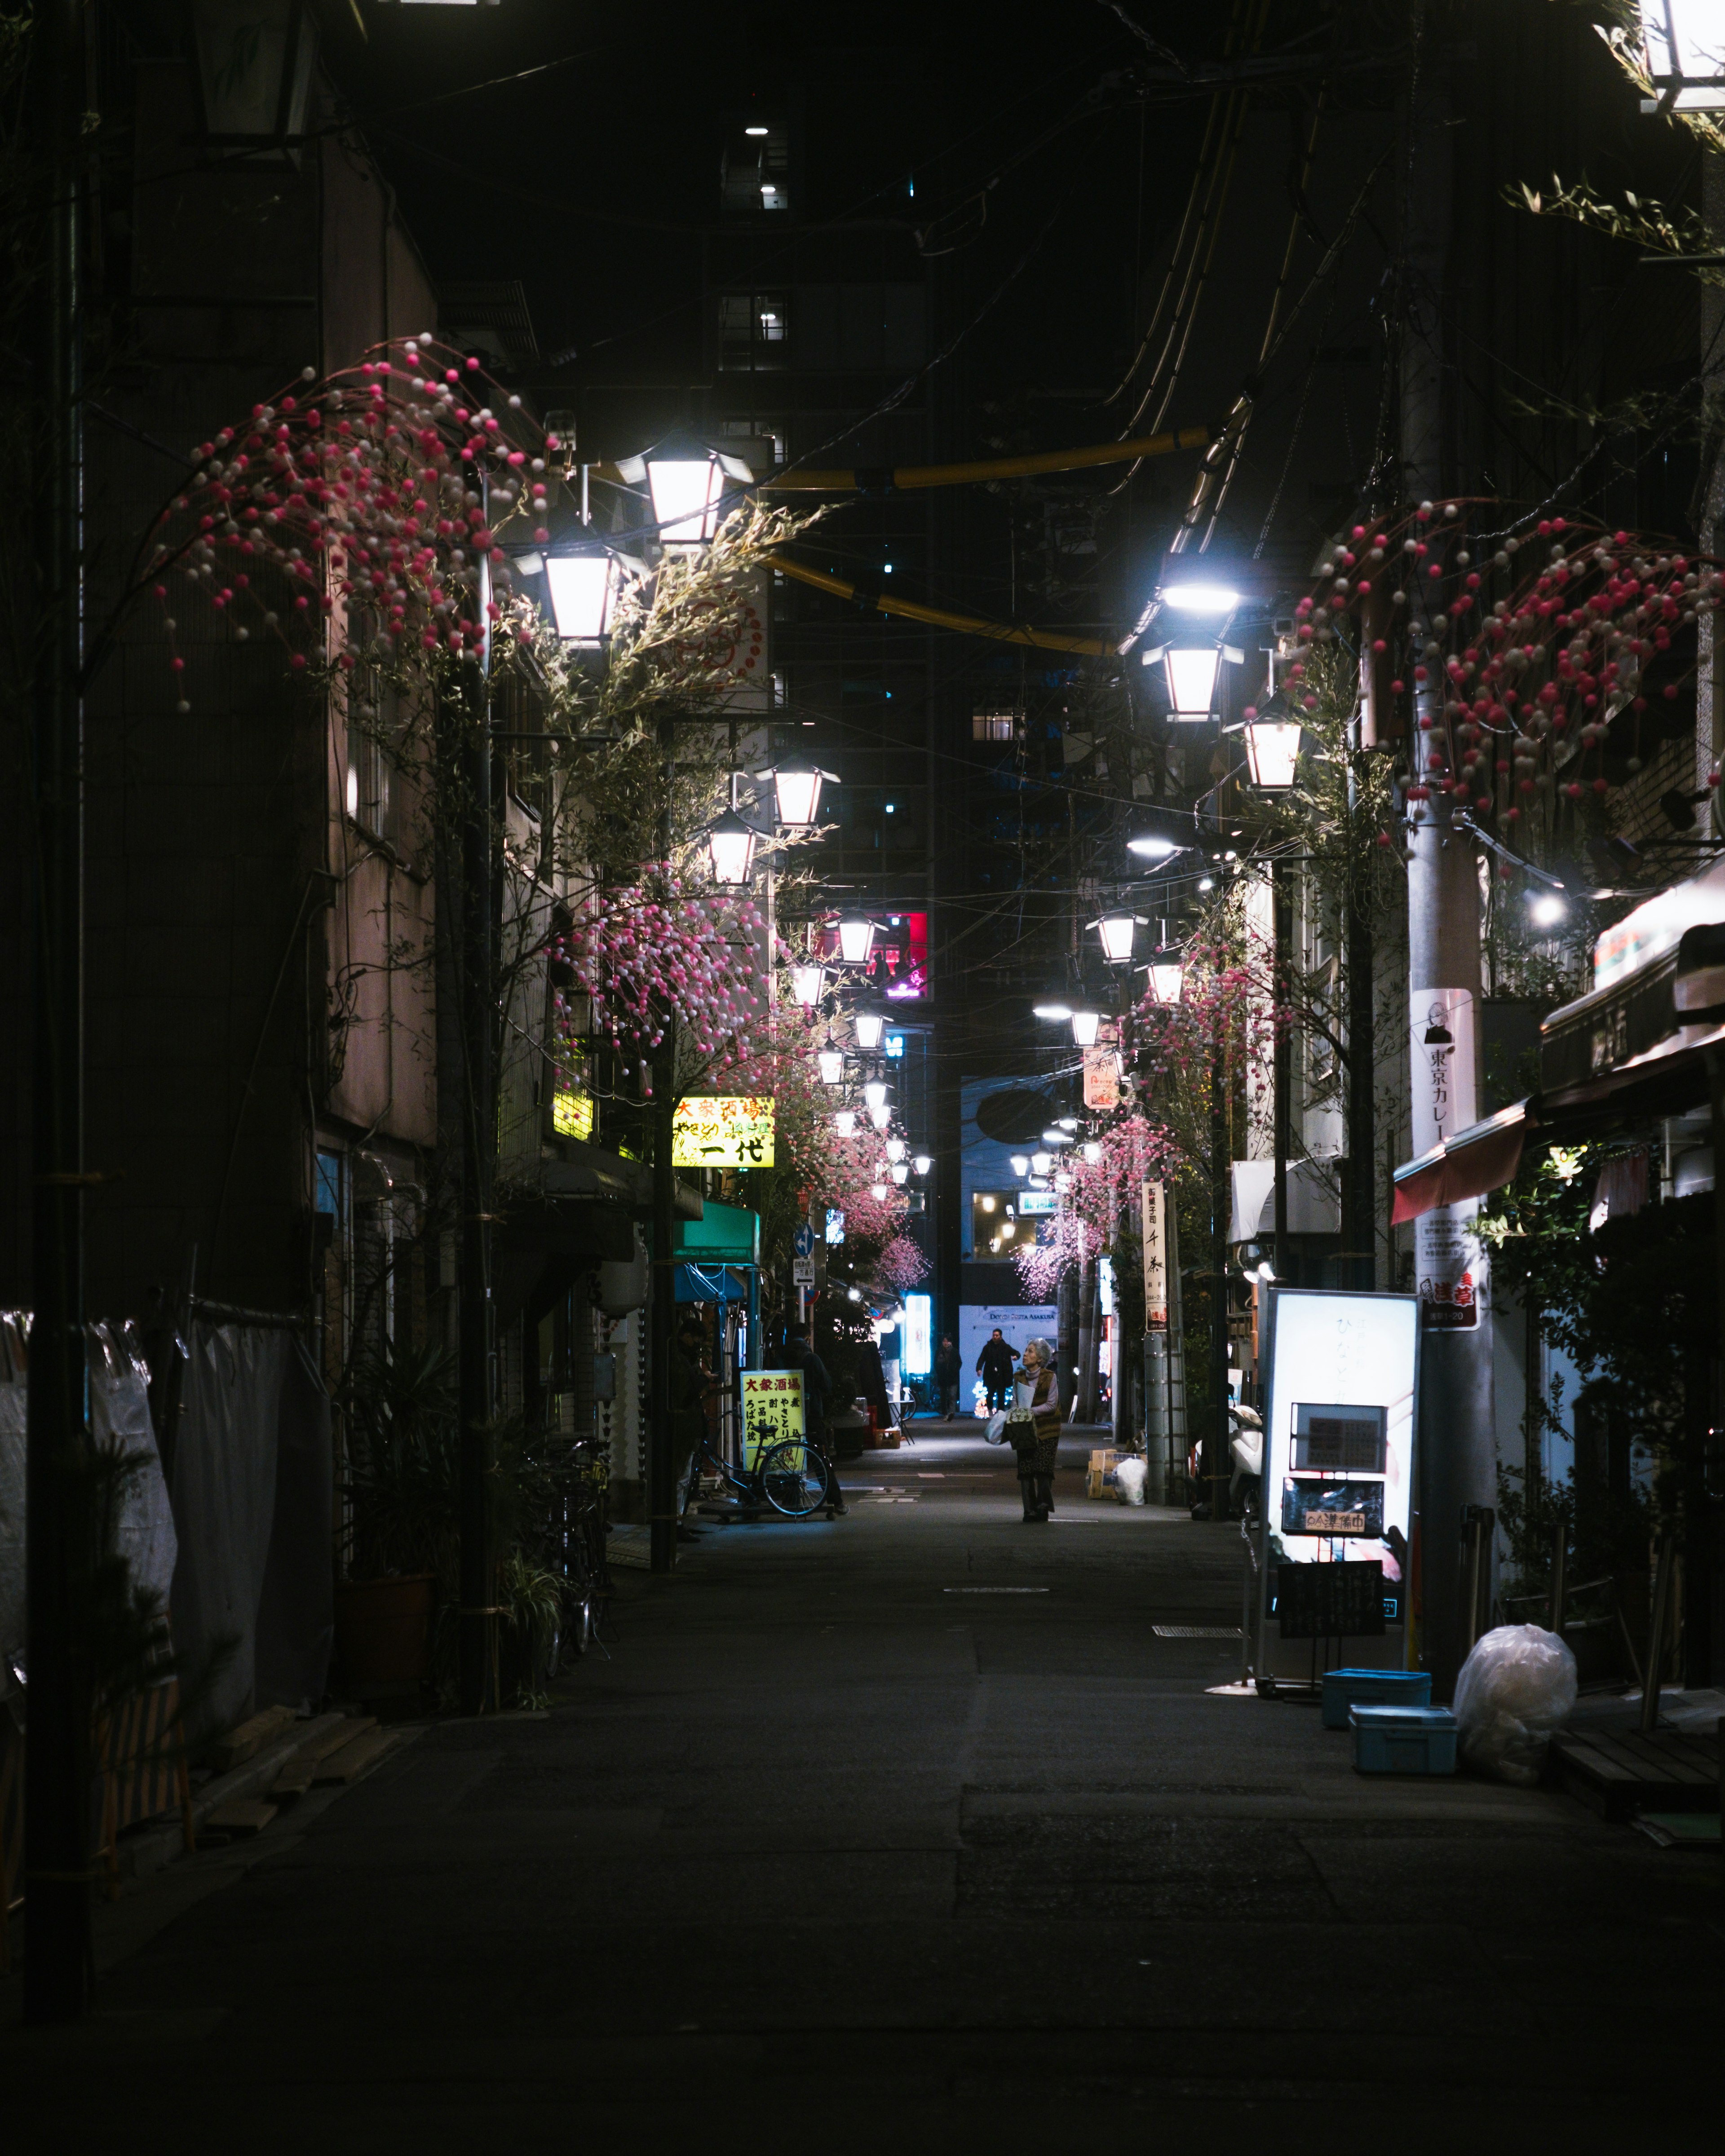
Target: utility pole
[
  {"x": 476, "y": 1354},
  {"x": 1217, "y": 1473},
  {"x": 1361, "y": 1227},
  {"x": 1282, "y": 919},
  {"x": 59, "y": 1484},
  {"x": 1457, "y": 1436},
  {"x": 661, "y": 1455}
]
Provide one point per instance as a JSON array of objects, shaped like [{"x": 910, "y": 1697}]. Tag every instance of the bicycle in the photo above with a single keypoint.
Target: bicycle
[
  {"x": 791, "y": 1477},
  {"x": 579, "y": 1530}
]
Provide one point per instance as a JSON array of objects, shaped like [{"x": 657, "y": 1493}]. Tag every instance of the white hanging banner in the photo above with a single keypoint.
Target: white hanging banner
[
  {"x": 1155, "y": 1259},
  {"x": 1449, "y": 1267}
]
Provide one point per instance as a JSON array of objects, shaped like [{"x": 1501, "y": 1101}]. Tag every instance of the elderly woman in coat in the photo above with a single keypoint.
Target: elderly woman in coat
[{"x": 1037, "y": 1442}]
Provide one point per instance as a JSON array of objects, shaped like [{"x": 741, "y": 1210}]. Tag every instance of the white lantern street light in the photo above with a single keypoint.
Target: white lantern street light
[
  {"x": 1021, "y": 1165},
  {"x": 1118, "y": 932},
  {"x": 806, "y": 984},
  {"x": 875, "y": 1093},
  {"x": 255, "y": 70},
  {"x": 1092, "y": 1152},
  {"x": 731, "y": 847},
  {"x": 921, "y": 1162},
  {"x": 796, "y": 790},
  {"x": 1168, "y": 971},
  {"x": 1056, "y": 1012},
  {"x": 1685, "y": 46},
  {"x": 830, "y": 1062},
  {"x": 881, "y": 1117},
  {"x": 686, "y": 482},
  {"x": 1041, "y": 1163},
  {"x": 895, "y": 1148},
  {"x": 1272, "y": 745},
  {"x": 869, "y": 1027},
  {"x": 856, "y": 937},
  {"x": 844, "y": 1122},
  {"x": 1152, "y": 848},
  {"x": 584, "y": 589},
  {"x": 1056, "y": 1138},
  {"x": 1063, "y": 1182},
  {"x": 1085, "y": 1026},
  {"x": 900, "y": 1172}
]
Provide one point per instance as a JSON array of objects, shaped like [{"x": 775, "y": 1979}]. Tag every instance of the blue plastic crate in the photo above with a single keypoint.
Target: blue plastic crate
[
  {"x": 1403, "y": 1740},
  {"x": 1346, "y": 1688}
]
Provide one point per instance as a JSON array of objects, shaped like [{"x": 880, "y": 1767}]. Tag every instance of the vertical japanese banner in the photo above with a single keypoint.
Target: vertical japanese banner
[
  {"x": 772, "y": 1409},
  {"x": 1101, "y": 1078},
  {"x": 1155, "y": 1258},
  {"x": 1447, "y": 1255}
]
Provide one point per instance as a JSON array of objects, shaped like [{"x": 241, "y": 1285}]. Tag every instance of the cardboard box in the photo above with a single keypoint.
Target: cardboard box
[{"x": 1099, "y": 1481}]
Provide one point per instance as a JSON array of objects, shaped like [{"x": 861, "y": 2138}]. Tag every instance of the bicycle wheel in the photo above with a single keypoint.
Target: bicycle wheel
[{"x": 794, "y": 1478}]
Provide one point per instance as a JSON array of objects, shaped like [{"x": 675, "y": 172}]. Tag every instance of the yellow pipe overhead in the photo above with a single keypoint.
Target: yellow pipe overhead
[
  {"x": 1000, "y": 631},
  {"x": 908, "y": 478}
]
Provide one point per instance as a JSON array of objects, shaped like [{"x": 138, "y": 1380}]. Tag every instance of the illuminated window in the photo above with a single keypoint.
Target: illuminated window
[{"x": 993, "y": 726}]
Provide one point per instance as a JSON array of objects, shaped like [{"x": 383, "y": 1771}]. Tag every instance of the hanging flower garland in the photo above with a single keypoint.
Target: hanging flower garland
[
  {"x": 901, "y": 1264},
  {"x": 1553, "y": 692},
  {"x": 657, "y": 953},
  {"x": 385, "y": 487}
]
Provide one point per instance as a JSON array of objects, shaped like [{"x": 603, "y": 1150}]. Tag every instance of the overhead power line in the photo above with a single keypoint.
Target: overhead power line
[
  {"x": 905, "y": 479},
  {"x": 869, "y": 600}
]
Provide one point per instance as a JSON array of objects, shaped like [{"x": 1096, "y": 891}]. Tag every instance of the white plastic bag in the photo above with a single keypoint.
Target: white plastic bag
[
  {"x": 995, "y": 1433},
  {"x": 1515, "y": 1692},
  {"x": 1129, "y": 1480}
]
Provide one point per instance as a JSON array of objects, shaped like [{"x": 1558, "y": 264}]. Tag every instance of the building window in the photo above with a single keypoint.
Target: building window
[
  {"x": 752, "y": 175},
  {"x": 753, "y": 330},
  {"x": 993, "y": 726},
  {"x": 994, "y": 1223}
]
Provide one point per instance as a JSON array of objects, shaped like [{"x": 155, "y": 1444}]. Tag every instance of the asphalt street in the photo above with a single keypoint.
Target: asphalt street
[{"x": 906, "y": 1831}]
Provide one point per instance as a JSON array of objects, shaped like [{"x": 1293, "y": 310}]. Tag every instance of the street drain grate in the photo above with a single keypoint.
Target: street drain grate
[{"x": 1196, "y": 1631}]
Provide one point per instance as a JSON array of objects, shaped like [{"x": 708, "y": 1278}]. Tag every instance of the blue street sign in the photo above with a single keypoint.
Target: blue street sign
[{"x": 803, "y": 1242}]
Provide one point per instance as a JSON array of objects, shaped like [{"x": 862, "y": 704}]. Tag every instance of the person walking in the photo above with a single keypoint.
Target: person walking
[
  {"x": 948, "y": 1370},
  {"x": 1037, "y": 1443},
  {"x": 993, "y": 1366},
  {"x": 800, "y": 1354}
]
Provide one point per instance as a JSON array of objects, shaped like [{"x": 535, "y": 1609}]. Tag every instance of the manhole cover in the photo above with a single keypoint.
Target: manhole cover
[{"x": 1193, "y": 1631}]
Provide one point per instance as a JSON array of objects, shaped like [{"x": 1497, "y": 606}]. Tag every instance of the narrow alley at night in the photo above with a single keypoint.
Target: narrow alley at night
[{"x": 864, "y": 997}]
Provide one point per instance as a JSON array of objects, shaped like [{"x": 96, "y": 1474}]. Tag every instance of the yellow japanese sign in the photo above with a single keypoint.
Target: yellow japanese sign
[
  {"x": 772, "y": 1409},
  {"x": 723, "y": 1130}
]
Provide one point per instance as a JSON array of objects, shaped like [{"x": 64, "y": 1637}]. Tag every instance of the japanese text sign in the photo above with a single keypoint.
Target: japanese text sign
[
  {"x": 723, "y": 1130},
  {"x": 772, "y": 1410}
]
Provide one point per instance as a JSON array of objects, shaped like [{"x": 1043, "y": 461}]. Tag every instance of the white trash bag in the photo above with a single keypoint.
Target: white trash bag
[
  {"x": 1129, "y": 1476},
  {"x": 1515, "y": 1692}
]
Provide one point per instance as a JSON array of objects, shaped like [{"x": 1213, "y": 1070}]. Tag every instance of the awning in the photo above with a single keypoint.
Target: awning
[
  {"x": 718, "y": 1284},
  {"x": 1483, "y": 1157}
]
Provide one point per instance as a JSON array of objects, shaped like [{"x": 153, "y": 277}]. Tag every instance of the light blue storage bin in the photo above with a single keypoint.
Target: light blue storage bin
[
  {"x": 1403, "y": 1740},
  {"x": 1347, "y": 1688}
]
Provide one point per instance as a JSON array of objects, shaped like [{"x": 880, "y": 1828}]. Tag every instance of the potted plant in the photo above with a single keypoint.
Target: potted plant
[{"x": 398, "y": 1414}]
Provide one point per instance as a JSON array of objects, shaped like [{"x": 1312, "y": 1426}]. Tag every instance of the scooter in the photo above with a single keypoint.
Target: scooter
[{"x": 1245, "y": 1490}]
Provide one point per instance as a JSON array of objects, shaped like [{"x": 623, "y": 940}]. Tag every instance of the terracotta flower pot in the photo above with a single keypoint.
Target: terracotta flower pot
[{"x": 383, "y": 1628}]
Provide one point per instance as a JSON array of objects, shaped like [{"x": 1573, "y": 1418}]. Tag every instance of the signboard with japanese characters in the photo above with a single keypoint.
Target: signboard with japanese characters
[
  {"x": 772, "y": 1409},
  {"x": 723, "y": 1130},
  {"x": 1448, "y": 1256},
  {"x": 1155, "y": 1259}
]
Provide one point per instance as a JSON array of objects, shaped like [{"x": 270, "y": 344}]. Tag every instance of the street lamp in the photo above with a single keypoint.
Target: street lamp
[
  {"x": 1272, "y": 744},
  {"x": 1684, "y": 45},
  {"x": 1117, "y": 931},
  {"x": 583, "y": 588},
  {"x": 895, "y": 1149},
  {"x": 254, "y": 69},
  {"x": 685, "y": 482},
  {"x": 844, "y": 1122},
  {"x": 806, "y": 984},
  {"x": 881, "y": 1117},
  {"x": 875, "y": 1093},
  {"x": 1168, "y": 970},
  {"x": 1021, "y": 1165},
  {"x": 830, "y": 1062},
  {"x": 796, "y": 789},
  {"x": 1085, "y": 1026},
  {"x": 1152, "y": 848},
  {"x": 730, "y": 848},
  {"x": 1057, "y": 1011},
  {"x": 1041, "y": 1163},
  {"x": 901, "y": 1173},
  {"x": 855, "y": 936},
  {"x": 921, "y": 1162},
  {"x": 1056, "y": 1138},
  {"x": 869, "y": 1026},
  {"x": 1092, "y": 1152}
]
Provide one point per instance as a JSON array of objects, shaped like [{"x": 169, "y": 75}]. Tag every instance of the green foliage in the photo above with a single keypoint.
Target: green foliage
[{"x": 534, "y": 1607}]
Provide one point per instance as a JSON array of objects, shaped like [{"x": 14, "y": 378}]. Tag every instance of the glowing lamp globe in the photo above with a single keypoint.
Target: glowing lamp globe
[
  {"x": 895, "y": 1148},
  {"x": 830, "y": 1063},
  {"x": 1021, "y": 1164},
  {"x": 1167, "y": 978},
  {"x": 869, "y": 1026},
  {"x": 796, "y": 792},
  {"x": 1117, "y": 931},
  {"x": 582, "y": 587},
  {"x": 806, "y": 984},
  {"x": 900, "y": 1172},
  {"x": 1041, "y": 1163},
  {"x": 881, "y": 1117},
  {"x": 1085, "y": 1026},
  {"x": 921, "y": 1162},
  {"x": 844, "y": 1122},
  {"x": 875, "y": 1093},
  {"x": 856, "y": 936},
  {"x": 1272, "y": 753}
]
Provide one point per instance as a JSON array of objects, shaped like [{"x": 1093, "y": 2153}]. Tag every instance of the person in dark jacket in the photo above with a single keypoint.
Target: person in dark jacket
[
  {"x": 1038, "y": 1442},
  {"x": 690, "y": 1378},
  {"x": 948, "y": 1371},
  {"x": 993, "y": 1366},
  {"x": 800, "y": 1354}
]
